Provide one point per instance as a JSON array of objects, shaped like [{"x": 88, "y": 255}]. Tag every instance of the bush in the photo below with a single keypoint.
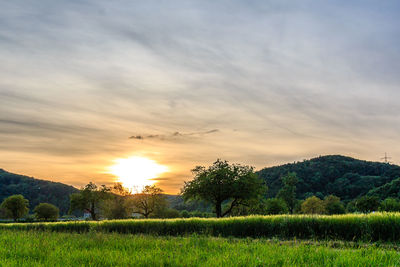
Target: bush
[
  {"x": 46, "y": 212},
  {"x": 276, "y": 206}
]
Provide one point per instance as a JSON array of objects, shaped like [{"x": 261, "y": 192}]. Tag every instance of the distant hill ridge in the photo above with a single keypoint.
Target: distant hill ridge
[
  {"x": 35, "y": 190},
  {"x": 345, "y": 177}
]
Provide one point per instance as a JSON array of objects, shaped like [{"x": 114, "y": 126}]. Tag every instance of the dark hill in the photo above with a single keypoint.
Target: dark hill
[
  {"x": 35, "y": 190},
  {"x": 345, "y": 177}
]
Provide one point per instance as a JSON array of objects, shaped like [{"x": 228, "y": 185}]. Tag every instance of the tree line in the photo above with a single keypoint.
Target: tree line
[
  {"x": 241, "y": 192},
  {"x": 231, "y": 190}
]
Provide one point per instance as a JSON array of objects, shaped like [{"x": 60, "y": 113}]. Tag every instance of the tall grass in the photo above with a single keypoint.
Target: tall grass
[
  {"x": 43, "y": 248},
  {"x": 371, "y": 227}
]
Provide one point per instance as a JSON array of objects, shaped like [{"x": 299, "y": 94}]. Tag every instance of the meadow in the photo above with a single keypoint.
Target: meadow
[
  {"x": 383, "y": 227},
  {"x": 282, "y": 240},
  {"x": 43, "y": 248}
]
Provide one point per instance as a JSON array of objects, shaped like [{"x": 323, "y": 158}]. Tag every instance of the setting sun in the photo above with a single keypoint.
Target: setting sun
[{"x": 136, "y": 172}]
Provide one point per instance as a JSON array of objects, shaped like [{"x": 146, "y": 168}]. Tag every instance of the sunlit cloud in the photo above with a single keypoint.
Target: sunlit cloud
[{"x": 185, "y": 82}]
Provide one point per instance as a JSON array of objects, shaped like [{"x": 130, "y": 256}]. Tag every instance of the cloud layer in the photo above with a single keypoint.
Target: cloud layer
[{"x": 280, "y": 80}]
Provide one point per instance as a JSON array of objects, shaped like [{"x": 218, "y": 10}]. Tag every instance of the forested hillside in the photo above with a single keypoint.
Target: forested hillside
[
  {"x": 35, "y": 190},
  {"x": 345, "y": 177}
]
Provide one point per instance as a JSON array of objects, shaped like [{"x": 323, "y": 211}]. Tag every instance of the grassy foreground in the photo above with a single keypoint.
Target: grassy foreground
[
  {"x": 19, "y": 248},
  {"x": 352, "y": 227}
]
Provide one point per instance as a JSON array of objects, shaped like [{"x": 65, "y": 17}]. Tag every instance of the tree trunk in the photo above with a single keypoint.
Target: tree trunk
[
  {"x": 218, "y": 209},
  {"x": 93, "y": 212}
]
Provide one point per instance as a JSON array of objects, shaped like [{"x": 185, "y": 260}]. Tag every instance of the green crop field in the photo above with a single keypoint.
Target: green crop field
[{"x": 27, "y": 248}]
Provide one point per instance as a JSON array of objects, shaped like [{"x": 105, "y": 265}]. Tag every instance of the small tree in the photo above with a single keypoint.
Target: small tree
[
  {"x": 89, "y": 199},
  {"x": 275, "y": 206},
  {"x": 333, "y": 205},
  {"x": 367, "y": 204},
  {"x": 223, "y": 182},
  {"x": 313, "y": 205},
  {"x": 148, "y": 201},
  {"x": 15, "y": 207},
  {"x": 288, "y": 191},
  {"x": 46, "y": 211}
]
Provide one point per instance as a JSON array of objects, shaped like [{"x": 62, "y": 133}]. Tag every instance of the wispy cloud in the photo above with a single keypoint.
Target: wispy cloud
[
  {"x": 173, "y": 135},
  {"x": 77, "y": 76}
]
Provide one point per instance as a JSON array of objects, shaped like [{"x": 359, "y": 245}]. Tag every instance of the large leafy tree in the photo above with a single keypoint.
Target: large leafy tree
[
  {"x": 15, "y": 207},
  {"x": 46, "y": 211},
  {"x": 116, "y": 206},
  {"x": 148, "y": 201},
  {"x": 223, "y": 182},
  {"x": 89, "y": 199},
  {"x": 288, "y": 191}
]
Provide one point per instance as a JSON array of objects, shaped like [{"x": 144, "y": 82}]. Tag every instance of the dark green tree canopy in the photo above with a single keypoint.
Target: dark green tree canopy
[
  {"x": 15, "y": 207},
  {"x": 275, "y": 206},
  {"x": 46, "y": 211},
  {"x": 223, "y": 182},
  {"x": 288, "y": 191},
  {"x": 367, "y": 204}
]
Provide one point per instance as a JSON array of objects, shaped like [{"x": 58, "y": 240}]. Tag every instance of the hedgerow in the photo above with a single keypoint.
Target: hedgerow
[{"x": 371, "y": 227}]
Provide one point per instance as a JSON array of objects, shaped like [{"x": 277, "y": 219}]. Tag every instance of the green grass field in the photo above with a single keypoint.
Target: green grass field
[
  {"x": 345, "y": 240},
  {"x": 27, "y": 248}
]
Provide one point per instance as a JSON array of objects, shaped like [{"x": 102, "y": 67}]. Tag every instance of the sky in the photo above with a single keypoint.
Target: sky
[{"x": 84, "y": 83}]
